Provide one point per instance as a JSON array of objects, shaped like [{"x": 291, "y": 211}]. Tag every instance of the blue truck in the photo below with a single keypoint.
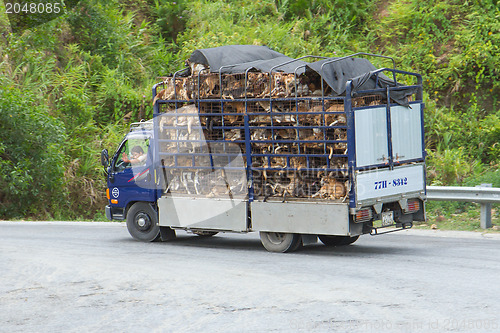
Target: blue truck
[{"x": 245, "y": 139}]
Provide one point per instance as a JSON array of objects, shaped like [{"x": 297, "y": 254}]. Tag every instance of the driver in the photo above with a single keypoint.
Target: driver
[{"x": 138, "y": 156}]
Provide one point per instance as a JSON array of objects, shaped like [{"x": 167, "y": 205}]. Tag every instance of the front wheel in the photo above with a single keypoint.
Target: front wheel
[
  {"x": 142, "y": 222},
  {"x": 280, "y": 241},
  {"x": 329, "y": 240}
]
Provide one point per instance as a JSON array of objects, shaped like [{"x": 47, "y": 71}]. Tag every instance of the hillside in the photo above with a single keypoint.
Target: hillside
[{"x": 70, "y": 87}]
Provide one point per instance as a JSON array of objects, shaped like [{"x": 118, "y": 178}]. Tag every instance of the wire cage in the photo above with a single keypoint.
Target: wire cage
[{"x": 256, "y": 135}]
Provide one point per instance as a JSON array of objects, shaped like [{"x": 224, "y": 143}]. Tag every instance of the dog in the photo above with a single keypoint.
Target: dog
[
  {"x": 316, "y": 134},
  {"x": 190, "y": 177},
  {"x": 234, "y": 86},
  {"x": 169, "y": 92},
  {"x": 196, "y": 68},
  {"x": 330, "y": 189},
  {"x": 258, "y": 85},
  {"x": 208, "y": 85},
  {"x": 188, "y": 117},
  {"x": 237, "y": 109},
  {"x": 233, "y": 135}
]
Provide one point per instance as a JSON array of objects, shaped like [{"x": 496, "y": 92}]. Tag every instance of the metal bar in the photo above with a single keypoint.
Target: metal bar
[
  {"x": 304, "y": 98},
  {"x": 389, "y": 130},
  {"x": 422, "y": 130},
  {"x": 486, "y": 216},
  {"x": 485, "y": 211},
  {"x": 199, "y": 74},
  {"x": 155, "y": 109},
  {"x": 156, "y": 145},
  {"x": 246, "y": 84},
  {"x": 175, "y": 85},
  {"x": 402, "y": 87},
  {"x": 351, "y": 142},
  {"x": 248, "y": 153},
  {"x": 293, "y": 60},
  {"x": 375, "y": 232}
]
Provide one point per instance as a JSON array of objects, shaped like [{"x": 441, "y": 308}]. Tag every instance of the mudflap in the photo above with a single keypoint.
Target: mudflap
[{"x": 167, "y": 234}]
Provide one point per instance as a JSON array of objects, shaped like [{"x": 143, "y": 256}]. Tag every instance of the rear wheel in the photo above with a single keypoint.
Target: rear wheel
[
  {"x": 329, "y": 240},
  {"x": 280, "y": 241},
  {"x": 142, "y": 222}
]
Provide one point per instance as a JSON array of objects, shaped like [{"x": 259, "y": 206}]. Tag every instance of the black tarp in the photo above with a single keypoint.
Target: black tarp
[
  {"x": 231, "y": 59},
  {"x": 238, "y": 58},
  {"x": 338, "y": 71}
]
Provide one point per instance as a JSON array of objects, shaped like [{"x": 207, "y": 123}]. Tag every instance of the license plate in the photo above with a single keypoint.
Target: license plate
[{"x": 387, "y": 218}]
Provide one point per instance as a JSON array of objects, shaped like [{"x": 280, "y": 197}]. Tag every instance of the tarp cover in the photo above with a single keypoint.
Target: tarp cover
[
  {"x": 337, "y": 72},
  {"x": 231, "y": 59}
]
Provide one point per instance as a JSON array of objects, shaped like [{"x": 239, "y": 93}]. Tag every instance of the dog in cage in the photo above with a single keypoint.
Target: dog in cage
[
  {"x": 208, "y": 85},
  {"x": 196, "y": 68},
  {"x": 331, "y": 188},
  {"x": 234, "y": 86},
  {"x": 171, "y": 90},
  {"x": 236, "y": 110}
]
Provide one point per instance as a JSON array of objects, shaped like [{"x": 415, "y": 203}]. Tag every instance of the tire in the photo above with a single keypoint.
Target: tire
[
  {"x": 280, "y": 242},
  {"x": 142, "y": 222},
  {"x": 329, "y": 240}
]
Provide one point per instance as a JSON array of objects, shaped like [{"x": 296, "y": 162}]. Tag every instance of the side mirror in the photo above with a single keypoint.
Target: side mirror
[{"x": 104, "y": 158}]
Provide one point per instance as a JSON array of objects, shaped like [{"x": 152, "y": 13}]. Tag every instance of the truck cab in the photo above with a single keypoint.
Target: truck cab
[{"x": 130, "y": 181}]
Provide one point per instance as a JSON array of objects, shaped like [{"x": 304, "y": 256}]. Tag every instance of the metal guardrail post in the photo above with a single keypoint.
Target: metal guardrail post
[{"x": 485, "y": 211}]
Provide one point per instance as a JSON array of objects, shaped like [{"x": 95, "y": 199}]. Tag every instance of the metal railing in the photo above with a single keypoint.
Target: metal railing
[{"x": 483, "y": 194}]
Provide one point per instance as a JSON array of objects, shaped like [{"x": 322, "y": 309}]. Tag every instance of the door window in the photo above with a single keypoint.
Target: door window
[{"x": 132, "y": 153}]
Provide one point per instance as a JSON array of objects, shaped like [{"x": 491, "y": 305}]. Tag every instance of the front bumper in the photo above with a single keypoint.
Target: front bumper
[
  {"x": 114, "y": 213},
  {"x": 109, "y": 215}
]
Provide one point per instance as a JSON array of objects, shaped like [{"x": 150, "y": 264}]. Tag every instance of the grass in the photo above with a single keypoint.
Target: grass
[{"x": 468, "y": 220}]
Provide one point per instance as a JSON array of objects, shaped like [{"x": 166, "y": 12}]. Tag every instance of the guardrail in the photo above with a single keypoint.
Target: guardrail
[{"x": 483, "y": 194}]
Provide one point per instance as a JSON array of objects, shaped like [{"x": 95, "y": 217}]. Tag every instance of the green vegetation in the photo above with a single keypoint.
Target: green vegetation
[
  {"x": 70, "y": 87},
  {"x": 452, "y": 216}
]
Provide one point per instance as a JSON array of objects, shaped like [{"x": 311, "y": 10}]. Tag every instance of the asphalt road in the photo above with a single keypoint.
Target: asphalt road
[{"x": 80, "y": 277}]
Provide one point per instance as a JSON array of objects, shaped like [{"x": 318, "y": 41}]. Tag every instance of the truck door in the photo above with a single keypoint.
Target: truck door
[
  {"x": 387, "y": 163},
  {"x": 132, "y": 181}
]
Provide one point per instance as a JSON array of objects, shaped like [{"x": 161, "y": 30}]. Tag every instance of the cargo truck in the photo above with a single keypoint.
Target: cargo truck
[{"x": 245, "y": 139}]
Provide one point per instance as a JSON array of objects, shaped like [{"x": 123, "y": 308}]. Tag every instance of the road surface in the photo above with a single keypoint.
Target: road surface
[{"x": 84, "y": 276}]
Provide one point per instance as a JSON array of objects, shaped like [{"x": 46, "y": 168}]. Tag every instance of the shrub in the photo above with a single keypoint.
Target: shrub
[{"x": 31, "y": 156}]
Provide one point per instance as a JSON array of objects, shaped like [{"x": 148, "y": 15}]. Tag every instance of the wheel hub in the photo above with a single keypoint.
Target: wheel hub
[
  {"x": 276, "y": 237},
  {"x": 143, "y": 221}
]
